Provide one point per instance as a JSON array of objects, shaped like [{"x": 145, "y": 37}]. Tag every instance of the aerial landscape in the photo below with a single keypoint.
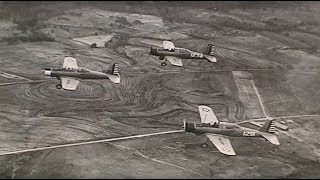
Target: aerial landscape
[{"x": 263, "y": 64}]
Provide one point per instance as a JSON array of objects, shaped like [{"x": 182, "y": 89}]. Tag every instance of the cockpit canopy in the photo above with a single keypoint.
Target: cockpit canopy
[
  {"x": 83, "y": 69},
  {"x": 182, "y": 50},
  {"x": 216, "y": 125},
  {"x": 48, "y": 69}
]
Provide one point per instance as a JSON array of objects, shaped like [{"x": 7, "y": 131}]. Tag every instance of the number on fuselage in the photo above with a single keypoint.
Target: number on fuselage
[
  {"x": 196, "y": 55},
  {"x": 248, "y": 133}
]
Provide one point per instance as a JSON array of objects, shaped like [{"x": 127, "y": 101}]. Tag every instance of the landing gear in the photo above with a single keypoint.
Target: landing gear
[
  {"x": 204, "y": 145},
  {"x": 58, "y": 86},
  {"x": 165, "y": 60}
]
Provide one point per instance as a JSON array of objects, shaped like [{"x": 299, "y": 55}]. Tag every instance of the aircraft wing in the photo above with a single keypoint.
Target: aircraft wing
[
  {"x": 223, "y": 144},
  {"x": 70, "y": 63},
  {"x": 168, "y": 45},
  {"x": 69, "y": 83},
  {"x": 207, "y": 115},
  {"x": 174, "y": 60}
]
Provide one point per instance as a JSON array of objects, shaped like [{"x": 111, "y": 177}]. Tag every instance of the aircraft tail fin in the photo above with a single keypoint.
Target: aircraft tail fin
[
  {"x": 209, "y": 53},
  {"x": 268, "y": 127},
  {"x": 115, "y": 69},
  {"x": 267, "y": 131},
  {"x": 209, "y": 50},
  {"x": 115, "y": 74}
]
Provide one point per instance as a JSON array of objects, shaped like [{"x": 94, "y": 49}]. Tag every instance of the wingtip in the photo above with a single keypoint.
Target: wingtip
[
  {"x": 277, "y": 143},
  {"x": 184, "y": 124},
  {"x": 230, "y": 154}
]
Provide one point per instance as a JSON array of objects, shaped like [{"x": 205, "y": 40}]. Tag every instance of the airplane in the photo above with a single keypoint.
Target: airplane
[
  {"x": 70, "y": 74},
  {"x": 217, "y": 131},
  {"x": 175, "y": 54}
]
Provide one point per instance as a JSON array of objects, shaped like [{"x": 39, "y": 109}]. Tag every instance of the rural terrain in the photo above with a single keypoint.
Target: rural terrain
[{"x": 268, "y": 68}]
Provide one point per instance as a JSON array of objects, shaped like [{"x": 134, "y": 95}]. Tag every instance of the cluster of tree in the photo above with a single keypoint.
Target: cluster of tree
[{"x": 34, "y": 36}]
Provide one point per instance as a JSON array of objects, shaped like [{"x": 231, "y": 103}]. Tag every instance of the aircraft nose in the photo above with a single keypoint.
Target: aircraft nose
[
  {"x": 184, "y": 124},
  {"x": 46, "y": 73},
  {"x": 153, "y": 51}
]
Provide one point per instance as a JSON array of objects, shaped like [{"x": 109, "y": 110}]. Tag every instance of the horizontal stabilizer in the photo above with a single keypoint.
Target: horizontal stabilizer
[
  {"x": 114, "y": 78},
  {"x": 210, "y": 58},
  {"x": 271, "y": 138}
]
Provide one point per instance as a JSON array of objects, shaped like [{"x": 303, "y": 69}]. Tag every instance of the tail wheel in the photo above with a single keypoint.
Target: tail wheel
[
  {"x": 161, "y": 57},
  {"x": 163, "y": 64},
  {"x": 58, "y": 86},
  {"x": 204, "y": 145}
]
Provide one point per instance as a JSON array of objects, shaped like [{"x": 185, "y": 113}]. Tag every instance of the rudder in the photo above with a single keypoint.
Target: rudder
[
  {"x": 115, "y": 69},
  {"x": 114, "y": 76},
  {"x": 268, "y": 127},
  {"x": 209, "y": 50}
]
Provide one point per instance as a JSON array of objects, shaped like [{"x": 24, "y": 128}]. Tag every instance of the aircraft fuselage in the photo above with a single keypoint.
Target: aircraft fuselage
[
  {"x": 227, "y": 129},
  {"x": 76, "y": 74},
  {"x": 177, "y": 52}
]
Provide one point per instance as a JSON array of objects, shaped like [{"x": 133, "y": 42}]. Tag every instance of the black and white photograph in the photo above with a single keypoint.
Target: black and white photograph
[{"x": 159, "y": 89}]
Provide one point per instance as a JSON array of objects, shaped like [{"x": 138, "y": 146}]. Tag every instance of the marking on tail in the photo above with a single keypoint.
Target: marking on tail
[
  {"x": 272, "y": 127},
  {"x": 268, "y": 127},
  {"x": 115, "y": 69},
  {"x": 212, "y": 51}
]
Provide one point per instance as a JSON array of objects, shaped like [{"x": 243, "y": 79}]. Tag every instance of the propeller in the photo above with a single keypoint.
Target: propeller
[
  {"x": 150, "y": 50},
  {"x": 46, "y": 71},
  {"x": 184, "y": 124}
]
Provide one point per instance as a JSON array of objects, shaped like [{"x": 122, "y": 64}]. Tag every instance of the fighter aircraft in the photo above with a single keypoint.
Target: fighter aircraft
[
  {"x": 175, "y": 54},
  {"x": 70, "y": 74},
  {"x": 217, "y": 131}
]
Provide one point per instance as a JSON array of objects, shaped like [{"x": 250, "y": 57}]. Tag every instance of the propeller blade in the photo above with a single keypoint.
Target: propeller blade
[
  {"x": 184, "y": 124},
  {"x": 150, "y": 51}
]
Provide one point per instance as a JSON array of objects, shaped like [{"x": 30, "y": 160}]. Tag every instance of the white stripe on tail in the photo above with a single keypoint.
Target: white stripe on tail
[
  {"x": 115, "y": 69},
  {"x": 268, "y": 130},
  {"x": 115, "y": 74}
]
